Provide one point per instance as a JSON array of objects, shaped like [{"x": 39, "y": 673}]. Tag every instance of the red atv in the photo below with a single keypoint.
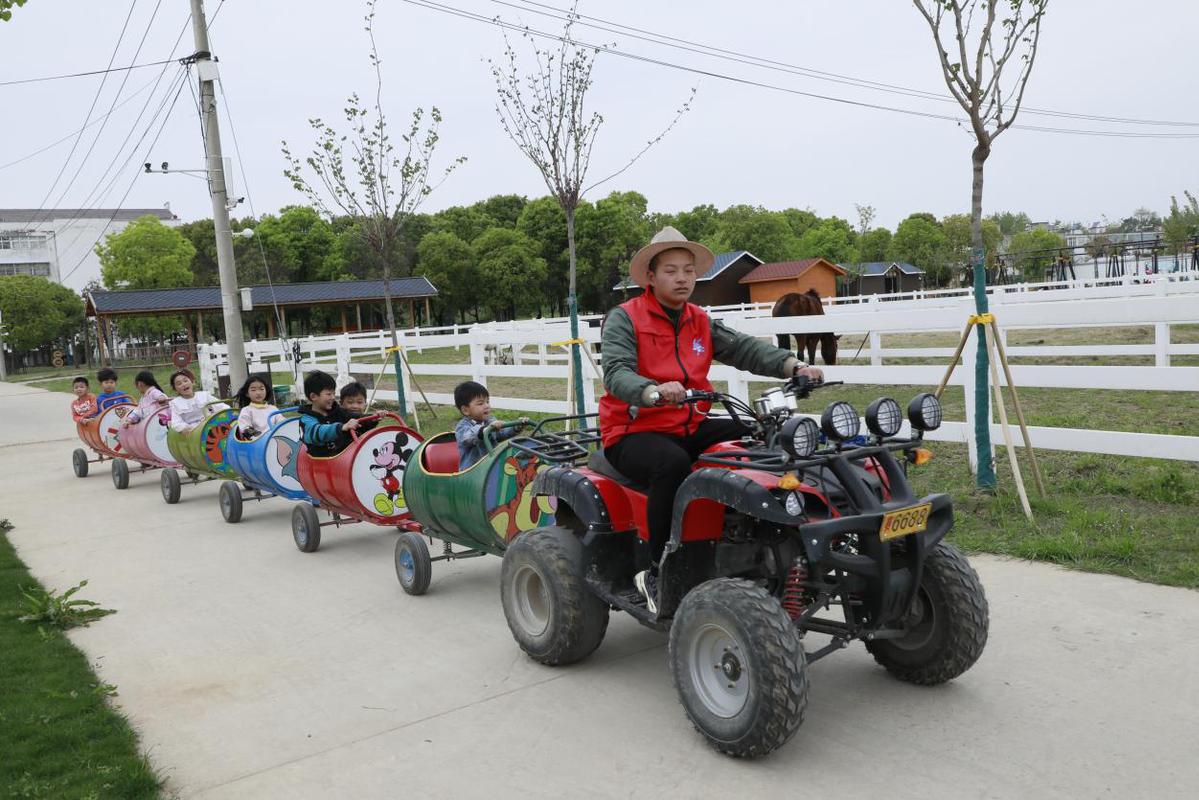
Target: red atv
[{"x": 799, "y": 528}]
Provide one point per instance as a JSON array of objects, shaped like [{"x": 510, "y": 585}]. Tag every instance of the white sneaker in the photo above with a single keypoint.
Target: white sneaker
[{"x": 647, "y": 583}]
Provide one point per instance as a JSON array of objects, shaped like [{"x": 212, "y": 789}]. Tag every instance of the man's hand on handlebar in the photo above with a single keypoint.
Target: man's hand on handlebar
[
  {"x": 671, "y": 393},
  {"x": 811, "y": 373}
]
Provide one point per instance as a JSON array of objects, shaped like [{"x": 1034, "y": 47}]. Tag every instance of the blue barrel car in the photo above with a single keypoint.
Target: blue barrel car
[{"x": 266, "y": 465}]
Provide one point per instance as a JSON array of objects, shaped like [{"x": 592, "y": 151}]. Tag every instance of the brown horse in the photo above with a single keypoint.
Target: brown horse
[{"x": 807, "y": 304}]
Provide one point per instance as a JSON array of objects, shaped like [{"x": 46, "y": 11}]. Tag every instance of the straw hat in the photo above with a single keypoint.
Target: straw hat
[{"x": 667, "y": 239}]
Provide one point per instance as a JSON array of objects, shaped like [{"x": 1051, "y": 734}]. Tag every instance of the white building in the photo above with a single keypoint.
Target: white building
[{"x": 60, "y": 243}]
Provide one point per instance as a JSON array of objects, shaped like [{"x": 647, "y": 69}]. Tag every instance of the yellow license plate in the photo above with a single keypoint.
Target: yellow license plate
[{"x": 904, "y": 521}]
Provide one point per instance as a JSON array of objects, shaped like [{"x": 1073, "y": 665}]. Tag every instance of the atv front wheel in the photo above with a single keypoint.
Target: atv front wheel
[
  {"x": 553, "y": 616},
  {"x": 947, "y": 623},
  {"x": 739, "y": 667}
]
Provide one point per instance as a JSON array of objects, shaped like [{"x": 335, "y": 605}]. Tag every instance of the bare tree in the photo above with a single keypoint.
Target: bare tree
[
  {"x": 974, "y": 73},
  {"x": 361, "y": 174},
  {"x": 544, "y": 112}
]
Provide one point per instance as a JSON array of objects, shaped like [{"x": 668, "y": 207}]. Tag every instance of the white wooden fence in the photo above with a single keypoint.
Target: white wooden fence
[{"x": 535, "y": 345}]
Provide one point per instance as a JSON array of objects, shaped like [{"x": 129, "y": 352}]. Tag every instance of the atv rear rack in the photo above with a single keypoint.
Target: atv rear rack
[{"x": 560, "y": 447}]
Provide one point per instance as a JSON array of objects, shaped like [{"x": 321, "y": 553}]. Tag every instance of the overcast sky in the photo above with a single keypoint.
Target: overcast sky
[{"x": 283, "y": 61}]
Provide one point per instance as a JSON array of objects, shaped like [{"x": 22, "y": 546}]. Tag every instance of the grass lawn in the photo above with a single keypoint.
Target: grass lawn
[{"x": 61, "y": 738}]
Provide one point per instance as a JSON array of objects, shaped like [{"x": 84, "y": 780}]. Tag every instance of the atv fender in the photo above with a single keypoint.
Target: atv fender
[{"x": 579, "y": 492}]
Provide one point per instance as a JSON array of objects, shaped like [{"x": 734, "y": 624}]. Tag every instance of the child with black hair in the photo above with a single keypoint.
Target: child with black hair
[
  {"x": 353, "y": 398},
  {"x": 256, "y": 399},
  {"x": 152, "y": 399},
  {"x": 84, "y": 404},
  {"x": 109, "y": 394},
  {"x": 190, "y": 407},
  {"x": 324, "y": 425},
  {"x": 474, "y": 403}
]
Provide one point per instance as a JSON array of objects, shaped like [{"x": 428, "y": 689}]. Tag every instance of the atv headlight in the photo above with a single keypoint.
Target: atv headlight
[
  {"x": 924, "y": 412},
  {"x": 840, "y": 421},
  {"x": 794, "y": 503},
  {"x": 800, "y": 436},
  {"x": 884, "y": 417}
]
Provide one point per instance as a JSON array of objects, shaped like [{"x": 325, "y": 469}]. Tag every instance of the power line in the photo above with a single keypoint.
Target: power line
[
  {"x": 96, "y": 140},
  {"x": 165, "y": 118},
  {"x": 96, "y": 121},
  {"x": 107, "y": 71},
  {"x": 91, "y": 108},
  {"x": 132, "y": 128},
  {"x": 782, "y": 66},
  {"x": 452, "y": 11}
]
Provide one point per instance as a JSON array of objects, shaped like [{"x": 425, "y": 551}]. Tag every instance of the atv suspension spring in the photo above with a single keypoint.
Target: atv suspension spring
[{"x": 794, "y": 596}]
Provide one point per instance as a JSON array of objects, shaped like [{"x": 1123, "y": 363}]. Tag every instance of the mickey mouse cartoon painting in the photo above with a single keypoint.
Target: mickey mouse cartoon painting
[{"x": 389, "y": 461}]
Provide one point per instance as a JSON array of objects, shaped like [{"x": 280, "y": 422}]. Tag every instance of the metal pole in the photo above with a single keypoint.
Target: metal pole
[
  {"x": 230, "y": 298},
  {"x": 3, "y": 365}
]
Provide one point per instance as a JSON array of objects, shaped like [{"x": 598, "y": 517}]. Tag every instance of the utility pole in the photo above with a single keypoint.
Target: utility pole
[
  {"x": 3, "y": 366},
  {"x": 230, "y": 297}
]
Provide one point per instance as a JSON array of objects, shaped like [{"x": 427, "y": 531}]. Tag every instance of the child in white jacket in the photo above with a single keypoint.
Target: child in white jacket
[{"x": 190, "y": 407}]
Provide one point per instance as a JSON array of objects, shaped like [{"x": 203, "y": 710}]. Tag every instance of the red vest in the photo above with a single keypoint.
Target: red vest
[{"x": 663, "y": 355}]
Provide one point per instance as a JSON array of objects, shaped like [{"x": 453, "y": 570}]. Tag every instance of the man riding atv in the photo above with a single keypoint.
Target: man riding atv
[{"x": 656, "y": 347}]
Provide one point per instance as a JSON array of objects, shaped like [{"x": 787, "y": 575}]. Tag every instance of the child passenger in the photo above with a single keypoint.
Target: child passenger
[
  {"x": 84, "y": 404},
  {"x": 109, "y": 394},
  {"x": 353, "y": 398},
  {"x": 474, "y": 403},
  {"x": 324, "y": 425},
  {"x": 152, "y": 399},
  {"x": 256, "y": 400},
  {"x": 190, "y": 407}
]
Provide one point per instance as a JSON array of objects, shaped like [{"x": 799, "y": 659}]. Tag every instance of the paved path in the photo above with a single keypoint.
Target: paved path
[{"x": 252, "y": 670}]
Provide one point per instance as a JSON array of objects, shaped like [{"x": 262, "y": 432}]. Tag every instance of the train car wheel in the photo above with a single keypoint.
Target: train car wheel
[
  {"x": 171, "y": 488},
  {"x": 306, "y": 528},
  {"x": 230, "y": 500},
  {"x": 120, "y": 473},
  {"x": 79, "y": 462},
  {"x": 414, "y": 568}
]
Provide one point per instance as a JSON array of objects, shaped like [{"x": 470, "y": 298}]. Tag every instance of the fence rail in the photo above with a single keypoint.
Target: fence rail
[{"x": 537, "y": 355}]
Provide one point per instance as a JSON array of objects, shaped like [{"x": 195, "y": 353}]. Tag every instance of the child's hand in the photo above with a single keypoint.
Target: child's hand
[
  {"x": 352, "y": 425},
  {"x": 525, "y": 421}
]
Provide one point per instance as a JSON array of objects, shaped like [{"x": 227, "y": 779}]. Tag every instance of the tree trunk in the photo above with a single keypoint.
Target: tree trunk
[
  {"x": 985, "y": 478},
  {"x": 572, "y": 303}
]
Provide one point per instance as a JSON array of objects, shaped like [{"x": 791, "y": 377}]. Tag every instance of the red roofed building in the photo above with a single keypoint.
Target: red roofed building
[{"x": 769, "y": 282}]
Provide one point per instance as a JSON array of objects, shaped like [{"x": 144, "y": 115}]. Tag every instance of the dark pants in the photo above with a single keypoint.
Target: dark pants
[{"x": 663, "y": 462}]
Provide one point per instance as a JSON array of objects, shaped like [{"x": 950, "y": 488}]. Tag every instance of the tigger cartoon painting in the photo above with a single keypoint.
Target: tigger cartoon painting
[{"x": 522, "y": 510}]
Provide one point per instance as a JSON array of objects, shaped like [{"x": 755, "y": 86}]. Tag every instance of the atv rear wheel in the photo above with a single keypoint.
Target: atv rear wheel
[
  {"x": 947, "y": 623},
  {"x": 739, "y": 667},
  {"x": 552, "y": 614}
]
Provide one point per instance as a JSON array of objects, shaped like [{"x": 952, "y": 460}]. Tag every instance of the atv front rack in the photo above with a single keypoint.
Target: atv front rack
[
  {"x": 769, "y": 460},
  {"x": 560, "y": 447}
]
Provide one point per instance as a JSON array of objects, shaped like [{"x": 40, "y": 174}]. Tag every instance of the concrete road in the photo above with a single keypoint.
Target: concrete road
[{"x": 252, "y": 670}]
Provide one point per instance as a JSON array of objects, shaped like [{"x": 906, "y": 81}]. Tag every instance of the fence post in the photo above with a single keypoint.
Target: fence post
[
  {"x": 477, "y": 361},
  {"x": 739, "y": 387},
  {"x": 1161, "y": 344},
  {"x": 589, "y": 379},
  {"x": 876, "y": 343},
  {"x": 343, "y": 360}
]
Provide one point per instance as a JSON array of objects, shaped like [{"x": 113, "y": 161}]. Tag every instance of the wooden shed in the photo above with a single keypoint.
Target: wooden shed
[
  {"x": 721, "y": 285},
  {"x": 769, "y": 282},
  {"x": 888, "y": 277}
]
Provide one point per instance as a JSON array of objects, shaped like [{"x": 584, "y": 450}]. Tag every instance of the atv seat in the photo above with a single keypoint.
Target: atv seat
[{"x": 597, "y": 463}]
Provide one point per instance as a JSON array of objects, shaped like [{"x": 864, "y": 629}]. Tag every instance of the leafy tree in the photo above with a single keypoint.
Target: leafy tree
[
  {"x": 610, "y": 232},
  {"x": 465, "y": 222},
  {"x": 697, "y": 224},
  {"x": 508, "y": 267},
  {"x": 873, "y": 245},
  {"x": 38, "y": 312},
  {"x": 299, "y": 246},
  {"x": 923, "y": 244},
  {"x": 202, "y": 235},
  {"x": 1010, "y": 223},
  {"x": 503, "y": 208},
  {"x": 766, "y": 234},
  {"x": 543, "y": 221},
  {"x": 147, "y": 255},
  {"x": 926, "y": 216},
  {"x": 449, "y": 264},
  {"x": 6, "y": 7},
  {"x": 957, "y": 233},
  {"x": 1023, "y": 252},
  {"x": 1183, "y": 223},
  {"x": 800, "y": 220},
  {"x": 831, "y": 240}
]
